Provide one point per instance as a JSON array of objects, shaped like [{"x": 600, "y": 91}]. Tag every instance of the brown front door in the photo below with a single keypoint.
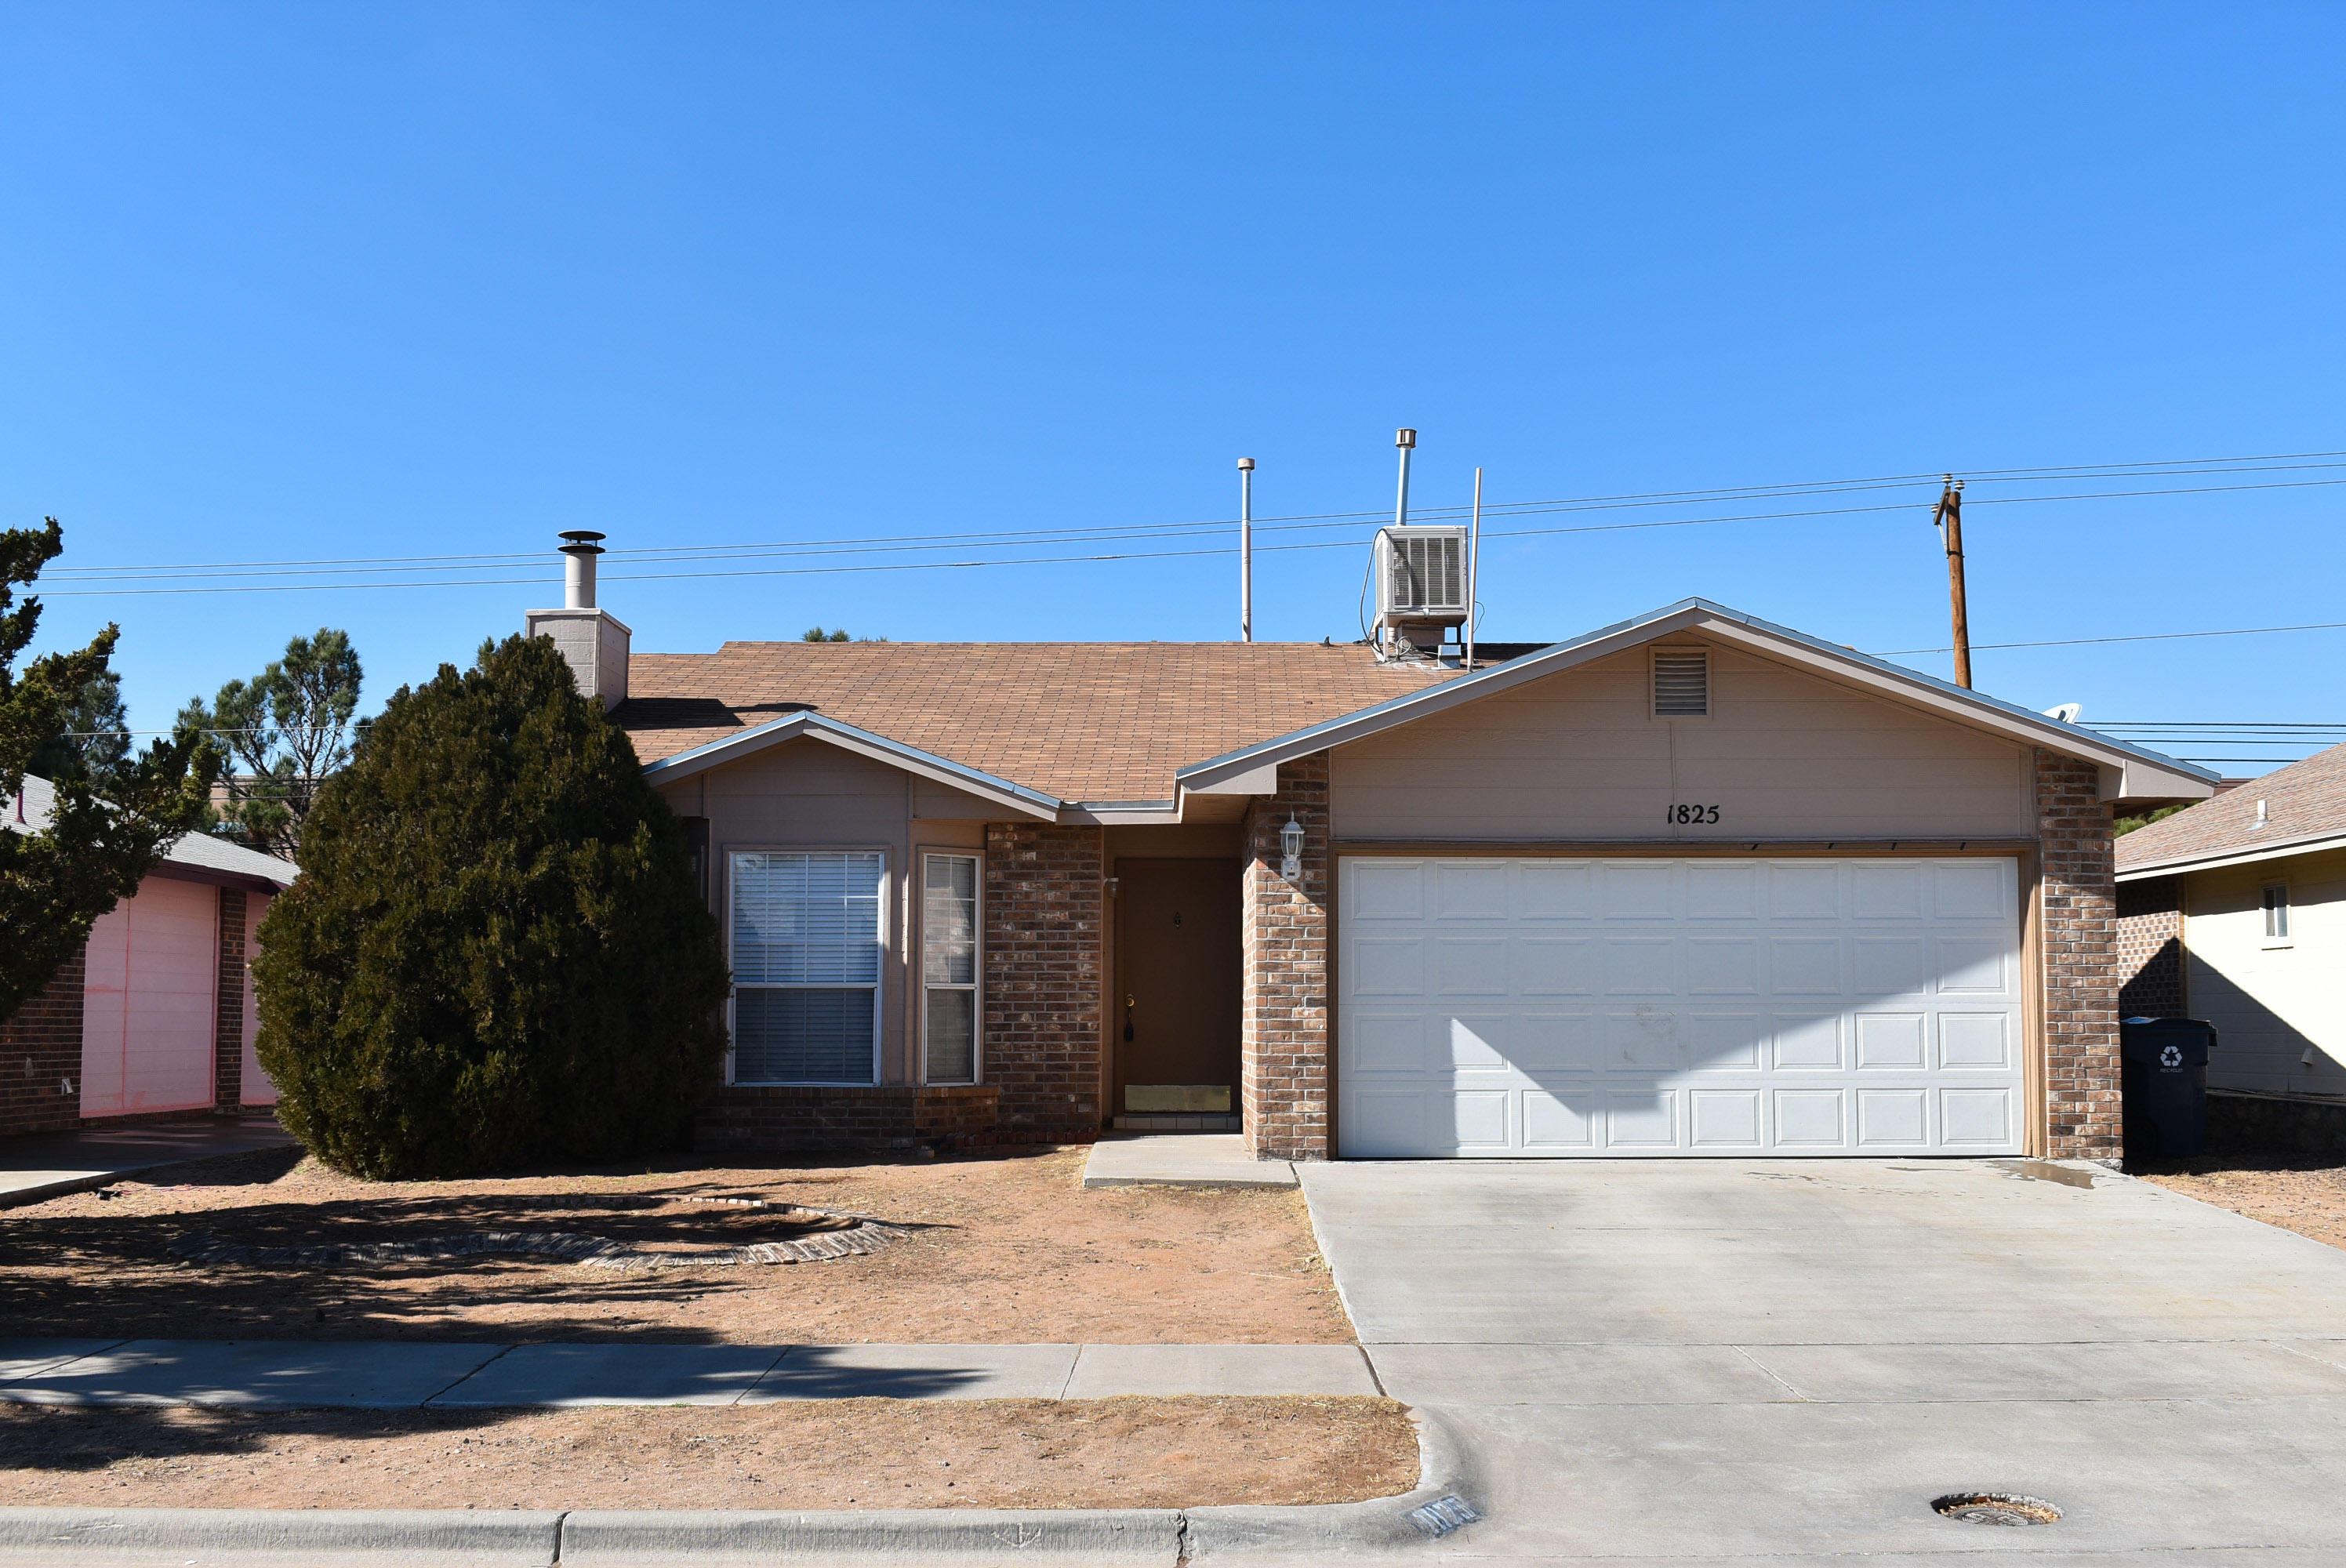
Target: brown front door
[{"x": 1176, "y": 939}]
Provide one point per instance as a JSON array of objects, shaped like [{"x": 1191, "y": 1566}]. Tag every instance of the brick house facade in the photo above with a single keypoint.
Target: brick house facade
[
  {"x": 2150, "y": 949},
  {"x": 1067, "y": 772}
]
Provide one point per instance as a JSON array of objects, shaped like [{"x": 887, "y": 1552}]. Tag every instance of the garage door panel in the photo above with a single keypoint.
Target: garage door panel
[
  {"x": 1555, "y": 966},
  {"x": 1725, "y": 1119},
  {"x": 1975, "y": 1040},
  {"x": 1640, "y": 965},
  {"x": 1891, "y": 1042},
  {"x": 1639, "y": 891},
  {"x": 1722, "y": 966},
  {"x": 1724, "y": 1042},
  {"x": 1563, "y": 1007},
  {"x": 1970, "y": 966},
  {"x": 1808, "y": 1044},
  {"x": 1559, "y": 1122},
  {"x": 1893, "y": 1118},
  {"x": 1805, "y": 966}
]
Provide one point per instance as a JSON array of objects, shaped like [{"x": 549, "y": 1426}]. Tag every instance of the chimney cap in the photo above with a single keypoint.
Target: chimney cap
[
  {"x": 1247, "y": 463},
  {"x": 1404, "y": 437},
  {"x": 582, "y": 541}
]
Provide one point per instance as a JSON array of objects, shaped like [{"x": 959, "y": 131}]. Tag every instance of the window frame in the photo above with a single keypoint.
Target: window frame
[
  {"x": 2272, "y": 899},
  {"x": 1654, "y": 653},
  {"x": 919, "y": 959},
  {"x": 885, "y": 930}
]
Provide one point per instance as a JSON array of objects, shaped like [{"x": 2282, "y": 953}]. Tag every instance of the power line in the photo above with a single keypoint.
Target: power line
[{"x": 2137, "y": 637}]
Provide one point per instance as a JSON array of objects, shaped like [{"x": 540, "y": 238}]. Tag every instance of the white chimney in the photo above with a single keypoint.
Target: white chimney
[{"x": 594, "y": 642}]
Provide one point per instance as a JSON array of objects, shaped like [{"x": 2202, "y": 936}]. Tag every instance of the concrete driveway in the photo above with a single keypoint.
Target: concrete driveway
[{"x": 1699, "y": 1362}]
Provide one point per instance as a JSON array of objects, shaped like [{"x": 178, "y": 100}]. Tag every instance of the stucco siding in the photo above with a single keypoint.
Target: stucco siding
[
  {"x": 2270, "y": 1002},
  {"x": 1784, "y": 755}
]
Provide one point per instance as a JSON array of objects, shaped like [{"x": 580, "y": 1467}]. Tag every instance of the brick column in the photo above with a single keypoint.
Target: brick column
[
  {"x": 2079, "y": 908},
  {"x": 2150, "y": 948},
  {"x": 1284, "y": 1041},
  {"x": 40, "y": 1056},
  {"x": 228, "y": 1007},
  {"x": 1044, "y": 966}
]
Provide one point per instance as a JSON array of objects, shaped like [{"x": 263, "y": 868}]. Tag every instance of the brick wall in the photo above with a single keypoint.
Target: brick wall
[
  {"x": 40, "y": 1058},
  {"x": 883, "y": 1117},
  {"x": 1283, "y": 1038},
  {"x": 1045, "y": 963},
  {"x": 2150, "y": 948},
  {"x": 227, "y": 1008},
  {"x": 2079, "y": 909}
]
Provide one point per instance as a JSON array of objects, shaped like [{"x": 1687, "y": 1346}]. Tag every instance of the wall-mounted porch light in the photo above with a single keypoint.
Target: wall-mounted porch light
[{"x": 1291, "y": 849}]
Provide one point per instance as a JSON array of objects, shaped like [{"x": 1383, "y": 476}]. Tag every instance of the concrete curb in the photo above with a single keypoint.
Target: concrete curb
[
  {"x": 903, "y": 1538},
  {"x": 277, "y": 1538}
]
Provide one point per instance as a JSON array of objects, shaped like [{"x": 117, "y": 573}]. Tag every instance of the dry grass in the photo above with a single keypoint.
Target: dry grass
[
  {"x": 2304, "y": 1193},
  {"x": 846, "y": 1454}
]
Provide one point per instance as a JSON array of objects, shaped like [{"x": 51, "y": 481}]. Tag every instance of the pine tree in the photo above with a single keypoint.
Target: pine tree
[
  {"x": 496, "y": 953},
  {"x": 115, "y": 814},
  {"x": 284, "y": 731}
]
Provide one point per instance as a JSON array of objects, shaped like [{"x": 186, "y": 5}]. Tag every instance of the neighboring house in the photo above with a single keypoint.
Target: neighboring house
[
  {"x": 1692, "y": 884},
  {"x": 154, "y": 1016},
  {"x": 2235, "y": 911}
]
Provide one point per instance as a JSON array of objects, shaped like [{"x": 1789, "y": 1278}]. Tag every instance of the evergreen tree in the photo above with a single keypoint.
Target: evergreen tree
[
  {"x": 285, "y": 731},
  {"x": 496, "y": 953},
  {"x": 115, "y": 814},
  {"x": 96, "y": 735}
]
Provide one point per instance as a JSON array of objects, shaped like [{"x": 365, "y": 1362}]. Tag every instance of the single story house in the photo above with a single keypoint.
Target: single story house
[
  {"x": 2235, "y": 911},
  {"x": 154, "y": 1016},
  {"x": 1694, "y": 884}
]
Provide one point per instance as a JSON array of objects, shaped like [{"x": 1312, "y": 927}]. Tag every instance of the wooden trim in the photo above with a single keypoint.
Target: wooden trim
[
  {"x": 1679, "y": 849},
  {"x": 2036, "y": 1092}
]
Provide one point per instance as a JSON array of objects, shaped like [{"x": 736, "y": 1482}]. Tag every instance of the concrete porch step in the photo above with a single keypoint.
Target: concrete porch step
[{"x": 1176, "y": 1122}]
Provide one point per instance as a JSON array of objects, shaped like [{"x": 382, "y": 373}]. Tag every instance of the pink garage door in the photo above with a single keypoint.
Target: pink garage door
[
  {"x": 148, "y": 1004},
  {"x": 257, "y": 1090}
]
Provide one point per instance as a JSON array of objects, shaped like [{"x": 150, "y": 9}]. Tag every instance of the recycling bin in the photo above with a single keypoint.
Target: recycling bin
[{"x": 2165, "y": 1085}]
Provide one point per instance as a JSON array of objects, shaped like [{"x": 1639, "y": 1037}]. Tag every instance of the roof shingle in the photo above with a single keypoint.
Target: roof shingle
[
  {"x": 1080, "y": 721},
  {"x": 2303, "y": 800}
]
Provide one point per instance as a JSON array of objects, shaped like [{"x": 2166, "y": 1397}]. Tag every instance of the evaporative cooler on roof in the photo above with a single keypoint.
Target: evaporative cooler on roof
[{"x": 1421, "y": 575}]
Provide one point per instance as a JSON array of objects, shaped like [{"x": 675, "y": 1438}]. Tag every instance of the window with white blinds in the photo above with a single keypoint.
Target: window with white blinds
[
  {"x": 949, "y": 967},
  {"x": 807, "y": 941}
]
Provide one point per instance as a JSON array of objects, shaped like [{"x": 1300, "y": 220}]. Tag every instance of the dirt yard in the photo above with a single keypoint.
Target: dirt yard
[
  {"x": 2304, "y": 1193},
  {"x": 1001, "y": 1249},
  {"x": 847, "y": 1453}
]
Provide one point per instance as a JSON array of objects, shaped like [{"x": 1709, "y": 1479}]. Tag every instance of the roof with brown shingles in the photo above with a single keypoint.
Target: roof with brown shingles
[
  {"x": 2303, "y": 800},
  {"x": 1081, "y": 721}
]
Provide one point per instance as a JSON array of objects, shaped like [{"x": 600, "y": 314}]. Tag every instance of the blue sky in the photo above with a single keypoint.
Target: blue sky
[{"x": 300, "y": 283}]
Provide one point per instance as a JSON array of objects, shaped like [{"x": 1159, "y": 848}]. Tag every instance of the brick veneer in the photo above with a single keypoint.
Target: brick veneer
[
  {"x": 1045, "y": 963},
  {"x": 2079, "y": 933},
  {"x": 227, "y": 1006},
  {"x": 2150, "y": 948},
  {"x": 883, "y": 1115},
  {"x": 1283, "y": 1020},
  {"x": 40, "y": 1057}
]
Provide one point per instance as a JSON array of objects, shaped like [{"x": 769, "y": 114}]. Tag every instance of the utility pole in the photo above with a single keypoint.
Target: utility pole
[
  {"x": 1949, "y": 516},
  {"x": 1246, "y": 549}
]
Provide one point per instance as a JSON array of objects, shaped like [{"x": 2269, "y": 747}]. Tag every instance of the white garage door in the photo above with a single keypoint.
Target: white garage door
[{"x": 1625, "y": 1007}]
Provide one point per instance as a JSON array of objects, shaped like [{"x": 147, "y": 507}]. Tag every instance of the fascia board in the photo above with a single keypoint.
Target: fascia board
[
  {"x": 1123, "y": 813},
  {"x": 2217, "y": 859},
  {"x": 1893, "y": 681},
  {"x": 864, "y": 743}
]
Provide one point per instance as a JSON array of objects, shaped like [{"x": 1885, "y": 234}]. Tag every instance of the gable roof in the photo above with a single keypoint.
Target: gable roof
[
  {"x": 193, "y": 857},
  {"x": 1089, "y": 722},
  {"x": 816, "y": 726},
  {"x": 2305, "y": 810},
  {"x": 2140, "y": 773}
]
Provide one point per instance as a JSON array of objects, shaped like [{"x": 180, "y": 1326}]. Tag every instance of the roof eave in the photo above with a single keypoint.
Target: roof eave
[
  {"x": 912, "y": 759},
  {"x": 2235, "y": 855},
  {"x": 2129, "y": 772}
]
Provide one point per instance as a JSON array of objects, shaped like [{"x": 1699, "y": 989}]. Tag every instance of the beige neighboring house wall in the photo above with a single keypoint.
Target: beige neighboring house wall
[
  {"x": 2271, "y": 1000},
  {"x": 1578, "y": 756}
]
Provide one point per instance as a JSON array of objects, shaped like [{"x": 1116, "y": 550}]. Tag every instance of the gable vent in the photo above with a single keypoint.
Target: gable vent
[{"x": 1681, "y": 683}]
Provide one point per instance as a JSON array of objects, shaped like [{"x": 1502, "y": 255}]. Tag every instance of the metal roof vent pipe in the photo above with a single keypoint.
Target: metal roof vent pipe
[
  {"x": 579, "y": 550},
  {"x": 593, "y": 641}
]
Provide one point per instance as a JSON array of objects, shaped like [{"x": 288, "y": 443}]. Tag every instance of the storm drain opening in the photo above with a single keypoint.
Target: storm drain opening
[{"x": 1996, "y": 1508}]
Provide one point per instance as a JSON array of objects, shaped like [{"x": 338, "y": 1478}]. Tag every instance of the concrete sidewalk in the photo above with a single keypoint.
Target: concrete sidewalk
[
  {"x": 1181, "y": 1159},
  {"x": 281, "y": 1374},
  {"x": 40, "y": 1166}
]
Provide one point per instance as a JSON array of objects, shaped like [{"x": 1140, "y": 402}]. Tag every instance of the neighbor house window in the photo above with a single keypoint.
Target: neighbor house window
[
  {"x": 949, "y": 966},
  {"x": 2277, "y": 914},
  {"x": 806, "y": 966}
]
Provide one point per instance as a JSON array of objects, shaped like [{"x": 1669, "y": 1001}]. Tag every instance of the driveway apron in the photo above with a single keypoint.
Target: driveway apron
[{"x": 1707, "y": 1361}]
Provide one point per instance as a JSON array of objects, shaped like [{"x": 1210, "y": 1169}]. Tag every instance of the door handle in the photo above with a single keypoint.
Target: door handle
[{"x": 1127, "y": 1016}]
